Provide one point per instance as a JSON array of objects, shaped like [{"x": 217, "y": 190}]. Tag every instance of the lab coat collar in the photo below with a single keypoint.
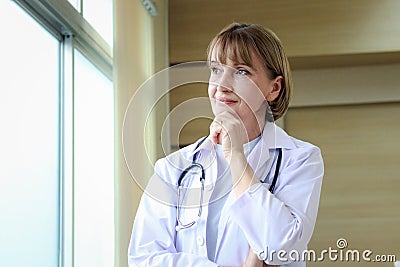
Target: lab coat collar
[
  {"x": 206, "y": 145},
  {"x": 275, "y": 137}
]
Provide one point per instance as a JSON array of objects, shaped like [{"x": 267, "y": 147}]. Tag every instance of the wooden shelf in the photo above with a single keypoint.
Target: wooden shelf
[
  {"x": 315, "y": 34},
  {"x": 343, "y": 60}
]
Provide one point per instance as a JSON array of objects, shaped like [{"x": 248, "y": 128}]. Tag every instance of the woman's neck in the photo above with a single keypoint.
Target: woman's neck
[{"x": 254, "y": 127}]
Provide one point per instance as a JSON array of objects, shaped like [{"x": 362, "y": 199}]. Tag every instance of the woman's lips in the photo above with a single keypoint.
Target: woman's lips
[{"x": 226, "y": 101}]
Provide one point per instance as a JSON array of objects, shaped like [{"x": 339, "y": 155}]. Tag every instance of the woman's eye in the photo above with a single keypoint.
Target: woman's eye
[
  {"x": 215, "y": 70},
  {"x": 242, "y": 72}
]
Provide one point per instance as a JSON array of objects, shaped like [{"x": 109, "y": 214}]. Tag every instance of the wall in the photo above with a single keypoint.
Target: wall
[
  {"x": 313, "y": 32},
  {"x": 360, "y": 198},
  {"x": 345, "y": 57},
  {"x": 329, "y": 39},
  {"x": 139, "y": 51},
  {"x": 351, "y": 113}
]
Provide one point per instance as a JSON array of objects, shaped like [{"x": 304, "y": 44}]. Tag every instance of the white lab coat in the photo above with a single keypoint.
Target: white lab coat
[{"x": 258, "y": 219}]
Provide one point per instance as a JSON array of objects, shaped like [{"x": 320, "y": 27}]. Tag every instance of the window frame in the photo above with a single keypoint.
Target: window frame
[
  {"x": 68, "y": 26},
  {"x": 62, "y": 19}
]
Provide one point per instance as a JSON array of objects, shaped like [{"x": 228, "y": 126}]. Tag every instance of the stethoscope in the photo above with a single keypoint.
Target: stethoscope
[{"x": 197, "y": 166}]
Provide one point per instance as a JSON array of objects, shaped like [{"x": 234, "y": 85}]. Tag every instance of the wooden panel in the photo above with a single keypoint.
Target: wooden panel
[
  {"x": 309, "y": 29},
  {"x": 134, "y": 61},
  {"x": 186, "y": 92},
  {"x": 313, "y": 87},
  {"x": 193, "y": 131},
  {"x": 360, "y": 196},
  {"x": 349, "y": 85},
  {"x": 343, "y": 60},
  {"x": 190, "y": 115}
]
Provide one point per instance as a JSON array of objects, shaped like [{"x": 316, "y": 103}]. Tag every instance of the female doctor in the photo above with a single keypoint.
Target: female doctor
[{"x": 247, "y": 194}]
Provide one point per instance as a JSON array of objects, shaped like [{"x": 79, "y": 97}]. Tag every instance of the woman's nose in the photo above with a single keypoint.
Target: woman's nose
[{"x": 225, "y": 83}]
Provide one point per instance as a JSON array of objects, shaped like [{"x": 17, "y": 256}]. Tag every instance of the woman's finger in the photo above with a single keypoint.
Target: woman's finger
[
  {"x": 215, "y": 131},
  {"x": 252, "y": 260}
]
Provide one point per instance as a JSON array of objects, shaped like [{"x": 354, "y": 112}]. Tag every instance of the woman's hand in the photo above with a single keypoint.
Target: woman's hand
[
  {"x": 253, "y": 261},
  {"x": 229, "y": 131}
]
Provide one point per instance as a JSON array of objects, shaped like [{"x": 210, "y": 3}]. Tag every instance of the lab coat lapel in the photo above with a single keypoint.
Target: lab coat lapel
[
  {"x": 262, "y": 157},
  {"x": 223, "y": 221},
  {"x": 258, "y": 160}
]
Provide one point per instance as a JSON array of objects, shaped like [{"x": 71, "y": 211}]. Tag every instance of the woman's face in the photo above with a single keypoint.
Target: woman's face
[{"x": 240, "y": 88}]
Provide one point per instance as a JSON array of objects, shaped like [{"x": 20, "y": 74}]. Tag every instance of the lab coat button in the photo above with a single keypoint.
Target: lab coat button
[
  {"x": 210, "y": 187},
  {"x": 200, "y": 241}
]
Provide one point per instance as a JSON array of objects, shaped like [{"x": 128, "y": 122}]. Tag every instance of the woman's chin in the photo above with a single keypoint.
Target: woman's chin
[{"x": 219, "y": 108}]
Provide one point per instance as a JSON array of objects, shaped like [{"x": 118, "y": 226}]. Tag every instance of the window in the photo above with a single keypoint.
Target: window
[
  {"x": 76, "y": 4},
  {"x": 57, "y": 142},
  {"x": 29, "y": 154},
  {"x": 93, "y": 171},
  {"x": 99, "y": 13}
]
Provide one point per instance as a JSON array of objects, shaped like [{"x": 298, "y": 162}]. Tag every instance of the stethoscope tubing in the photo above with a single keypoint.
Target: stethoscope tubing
[{"x": 202, "y": 179}]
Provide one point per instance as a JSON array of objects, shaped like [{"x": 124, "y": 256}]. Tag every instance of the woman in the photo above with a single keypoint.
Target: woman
[{"x": 261, "y": 186}]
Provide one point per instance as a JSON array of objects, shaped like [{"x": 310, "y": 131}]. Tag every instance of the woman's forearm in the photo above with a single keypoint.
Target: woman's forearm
[{"x": 242, "y": 174}]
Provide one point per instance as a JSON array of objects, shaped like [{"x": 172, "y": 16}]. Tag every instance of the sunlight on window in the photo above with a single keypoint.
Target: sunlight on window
[
  {"x": 94, "y": 166},
  {"x": 76, "y": 4},
  {"x": 29, "y": 141},
  {"x": 99, "y": 13}
]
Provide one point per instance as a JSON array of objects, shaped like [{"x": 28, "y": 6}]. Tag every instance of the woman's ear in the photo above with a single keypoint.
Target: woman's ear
[{"x": 276, "y": 89}]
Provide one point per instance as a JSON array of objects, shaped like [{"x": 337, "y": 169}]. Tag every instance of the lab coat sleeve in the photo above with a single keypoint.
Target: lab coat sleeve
[
  {"x": 153, "y": 235},
  {"x": 284, "y": 221}
]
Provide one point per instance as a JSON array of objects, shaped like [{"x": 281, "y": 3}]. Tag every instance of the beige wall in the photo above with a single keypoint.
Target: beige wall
[
  {"x": 312, "y": 87},
  {"x": 139, "y": 51},
  {"x": 346, "y": 85},
  {"x": 345, "y": 57},
  {"x": 360, "y": 193},
  {"x": 340, "y": 51},
  {"x": 314, "y": 32},
  {"x": 352, "y": 114},
  {"x": 355, "y": 35}
]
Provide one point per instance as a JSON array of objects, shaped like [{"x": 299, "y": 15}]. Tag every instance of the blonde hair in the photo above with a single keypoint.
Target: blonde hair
[{"x": 237, "y": 41}]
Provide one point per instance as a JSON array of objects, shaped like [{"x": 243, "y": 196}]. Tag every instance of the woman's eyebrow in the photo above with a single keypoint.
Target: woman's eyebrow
[
  {"x": 214, "y": 62},
  {"x": 235, "y": 65},
  {"x": 244, "y": 64}
]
